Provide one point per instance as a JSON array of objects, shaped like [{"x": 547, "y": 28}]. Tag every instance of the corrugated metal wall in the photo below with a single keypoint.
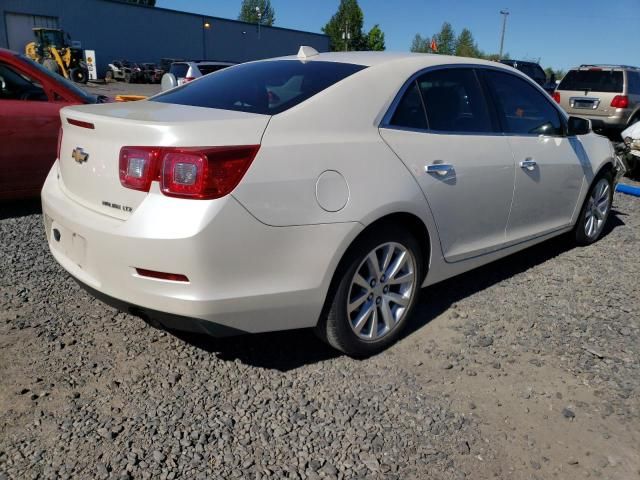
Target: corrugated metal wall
[{"x": 118, "y": 30}]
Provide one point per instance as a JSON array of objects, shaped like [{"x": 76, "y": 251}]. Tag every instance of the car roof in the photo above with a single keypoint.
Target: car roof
[
  {"x": 370, "y": 59},
  {"x": 606, "y": 67}
]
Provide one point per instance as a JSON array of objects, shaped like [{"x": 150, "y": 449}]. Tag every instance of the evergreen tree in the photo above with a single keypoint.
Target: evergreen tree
[
  {"x": 347, "y": 20},
  {"x": 250, "y": 8},
  {"x": 375, "y": 38},
  {"x": 466, "y": 45},
  {"x": 420, "y": 44},
  {"x": 446, "y": 40}
]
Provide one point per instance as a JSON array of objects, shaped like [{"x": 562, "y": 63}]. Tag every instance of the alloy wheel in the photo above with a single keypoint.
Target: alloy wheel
[
  {"x": 381, "y": 291},
  {"x": 597, "y": 209}
]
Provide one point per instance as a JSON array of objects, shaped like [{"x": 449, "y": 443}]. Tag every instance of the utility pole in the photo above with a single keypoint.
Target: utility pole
[
  {"x": 505, "y": 14},
  {"x": 259, "y": 20},
  {"x": 346, "y": 36}
]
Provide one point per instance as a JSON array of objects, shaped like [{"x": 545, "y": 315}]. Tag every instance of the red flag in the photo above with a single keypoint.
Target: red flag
[{"x": 434, "y": 45}]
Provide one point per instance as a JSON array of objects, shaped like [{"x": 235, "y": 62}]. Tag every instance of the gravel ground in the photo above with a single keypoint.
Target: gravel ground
[{"x": 527, "y": 368}]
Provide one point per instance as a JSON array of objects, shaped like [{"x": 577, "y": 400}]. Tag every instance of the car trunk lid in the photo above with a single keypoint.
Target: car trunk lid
[{"x": 93, "y": 136}]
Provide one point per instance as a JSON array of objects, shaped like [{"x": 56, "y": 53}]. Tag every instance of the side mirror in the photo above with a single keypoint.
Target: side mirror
[
  {"x": 578, "y": 126},
  {"x": 168, "y": 82}
]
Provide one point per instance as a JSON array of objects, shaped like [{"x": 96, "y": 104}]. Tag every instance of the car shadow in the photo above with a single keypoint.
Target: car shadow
[
  {"x": 20, "y": 208},
  {"x": 288, "y": 350}
]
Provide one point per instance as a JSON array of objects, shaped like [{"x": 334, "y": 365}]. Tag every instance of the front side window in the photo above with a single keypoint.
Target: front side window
[
  {"x": 454, "y": 101},
  {"x": 14, "y": 85},
  {"x": 523, "y": 109},
  {"x": 267, "y": 87}
]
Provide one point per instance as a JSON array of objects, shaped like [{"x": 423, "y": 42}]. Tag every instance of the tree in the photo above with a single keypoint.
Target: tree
[
  {"x": 446, "y": 40},
  {"x": 466, "y": 45},
  {"x": 420, "y": 44},
  {"x": 557, "y": 74},
  {"x": 375, "y": 38},
  {"x": 346, "y": 22},
  {"x": 250, "y": 9}
]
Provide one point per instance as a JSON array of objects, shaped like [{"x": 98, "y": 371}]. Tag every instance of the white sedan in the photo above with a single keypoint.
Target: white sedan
[{"x": 318, "y": 190}]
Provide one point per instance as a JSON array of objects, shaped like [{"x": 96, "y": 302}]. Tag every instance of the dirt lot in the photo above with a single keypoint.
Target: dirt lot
[{"x": 528, "y": 368}]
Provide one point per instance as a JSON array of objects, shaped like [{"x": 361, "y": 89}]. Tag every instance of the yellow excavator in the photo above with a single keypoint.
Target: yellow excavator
[{"x": 54, "y": 52}]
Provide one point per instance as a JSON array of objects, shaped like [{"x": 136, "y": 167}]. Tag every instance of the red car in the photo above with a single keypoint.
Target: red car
[{"x": 30, "y": 101}]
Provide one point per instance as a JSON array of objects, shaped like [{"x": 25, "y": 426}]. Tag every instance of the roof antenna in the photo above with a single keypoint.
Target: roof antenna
[{"x": 306, "y": 52}]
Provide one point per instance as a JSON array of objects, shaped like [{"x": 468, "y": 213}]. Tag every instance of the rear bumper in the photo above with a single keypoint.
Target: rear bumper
[
  {"x": 243, "y": 275},
  {"x": 614, "y": 122}
]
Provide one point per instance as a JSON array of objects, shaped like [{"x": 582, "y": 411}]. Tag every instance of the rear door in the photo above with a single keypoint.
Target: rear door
[
  {"x": 462, "y": 162},
  {"x": 549, "y": 166},
  {"x": 590, "y": 91}
]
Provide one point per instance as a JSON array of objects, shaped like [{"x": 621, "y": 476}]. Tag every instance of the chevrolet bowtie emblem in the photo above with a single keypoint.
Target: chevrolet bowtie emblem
[{"x": 79, "y": 156}]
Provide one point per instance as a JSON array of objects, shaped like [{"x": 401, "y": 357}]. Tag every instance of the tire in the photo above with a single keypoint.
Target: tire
[
  {"x": 595, "y": 211},
  {"x": 127, "y": 77},
  {"x": 338, "y": 326},
  {"x": 79, "y": 75},
  {"x": 51, "y": 65},
  {"x": 108, "y": 77}
]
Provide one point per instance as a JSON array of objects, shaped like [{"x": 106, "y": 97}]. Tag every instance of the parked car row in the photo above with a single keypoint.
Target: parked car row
[{"x": 133, "y": 72}]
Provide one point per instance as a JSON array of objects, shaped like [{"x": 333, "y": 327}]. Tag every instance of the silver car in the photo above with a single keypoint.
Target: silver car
[
  {"x": 608, "y": 95},
  {"x": 318, "y": 190}
]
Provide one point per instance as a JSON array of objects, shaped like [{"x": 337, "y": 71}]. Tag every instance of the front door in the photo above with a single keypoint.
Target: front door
[
  {"x": 29, "y": 123},
  {"x": 462, "y": 162},
  {"x": 549, "y": 165}
]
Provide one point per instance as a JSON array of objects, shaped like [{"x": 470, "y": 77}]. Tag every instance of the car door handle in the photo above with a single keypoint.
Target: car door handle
[
  {"x": 441, "y": 169},
  {"x": 528, "y": 164}
]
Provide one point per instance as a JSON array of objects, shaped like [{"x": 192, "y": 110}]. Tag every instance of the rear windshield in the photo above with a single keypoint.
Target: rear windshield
[
  {"x": 179, "y": 70},
  {"x": 266, "y": 88},
  {"x": 205, "y": 69},
  {"x": 592, "y": 80}
]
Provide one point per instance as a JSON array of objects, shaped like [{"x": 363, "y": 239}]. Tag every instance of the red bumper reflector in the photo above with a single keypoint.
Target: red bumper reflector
[
  {"x": 174, "y": 277},
  {"x": 79, "y": 123}
]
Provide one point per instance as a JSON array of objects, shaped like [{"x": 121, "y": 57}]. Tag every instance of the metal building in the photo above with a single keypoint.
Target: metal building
[{"x": 119, "y": 30}]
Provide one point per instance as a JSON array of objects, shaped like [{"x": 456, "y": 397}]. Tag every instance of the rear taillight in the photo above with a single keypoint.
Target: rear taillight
[
  {"x": 189, "y": 172},
  {"x": 59, "y": 143},
  {"x": 138, "y": 167},
  {"x": 556, "y": 97},
  {"x": 620, "y": 101}
]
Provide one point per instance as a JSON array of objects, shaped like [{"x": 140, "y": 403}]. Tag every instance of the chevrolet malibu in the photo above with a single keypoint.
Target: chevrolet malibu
[{"x": 318, "y": 190}]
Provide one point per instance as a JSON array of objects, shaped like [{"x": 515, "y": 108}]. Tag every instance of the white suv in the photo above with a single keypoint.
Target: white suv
[{"x": 187, "y": 71}]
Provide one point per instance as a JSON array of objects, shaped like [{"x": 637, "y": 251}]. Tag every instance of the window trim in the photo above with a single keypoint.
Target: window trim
[{"x": 486, "y": 93}]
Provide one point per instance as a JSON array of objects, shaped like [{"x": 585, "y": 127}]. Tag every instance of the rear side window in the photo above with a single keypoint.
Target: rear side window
[
  {"x": 592, "y": 80},
  {"x": 523, "y": 109},
  {"x": 179, "y": 70},
  {"x": 633, "y": 80},
  {"x": 454, "y": 101},
  {"x": 205, "y": 69},
  {"x": 267, "y": 88},
  {"x": 410, "y": 112}
]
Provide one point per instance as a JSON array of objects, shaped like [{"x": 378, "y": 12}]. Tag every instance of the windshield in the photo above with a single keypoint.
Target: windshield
[
  {"x": 60, "y": 79},
  {"x": 267, "y": 87},
  {"x": 592, "y": 80}
]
